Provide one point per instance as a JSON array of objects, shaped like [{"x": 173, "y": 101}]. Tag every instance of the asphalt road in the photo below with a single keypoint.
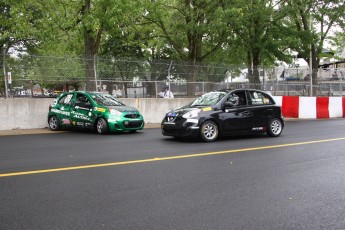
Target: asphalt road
[{"x": 75, "y": 180}]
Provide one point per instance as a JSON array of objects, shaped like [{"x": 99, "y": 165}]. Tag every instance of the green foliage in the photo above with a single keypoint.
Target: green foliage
[{"x": 254, "y": 33}]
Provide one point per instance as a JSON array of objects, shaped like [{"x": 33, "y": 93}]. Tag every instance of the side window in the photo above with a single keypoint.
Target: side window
[
  {"x": 238, "y": 98},
  {"x": 82, "y": 100},
  {"x": 259, "y": 98},
  {"x": 66, "y": 100}
]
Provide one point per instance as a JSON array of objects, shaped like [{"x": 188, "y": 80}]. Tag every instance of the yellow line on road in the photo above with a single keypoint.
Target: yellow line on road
[{"x": 166, "y": 158}]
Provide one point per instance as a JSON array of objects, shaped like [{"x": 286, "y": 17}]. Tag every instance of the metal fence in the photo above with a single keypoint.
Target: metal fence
[
  {"x": 32, "y": 76},
  {"x": 151, "y": 89}
]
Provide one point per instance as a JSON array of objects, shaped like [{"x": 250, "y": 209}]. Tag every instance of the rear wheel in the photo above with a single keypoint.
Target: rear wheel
[
  {"x": 275, "y": 127},
  {"x": 102, "y": 126},
  {"x": 209, "y": 131},
  {"x": 54, "y": 123}
]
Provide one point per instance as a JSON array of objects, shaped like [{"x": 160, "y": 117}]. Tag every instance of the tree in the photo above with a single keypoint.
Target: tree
[
  {"x": 312, "y": 22},
  {"x": 258, "y": 28},
  {"x": 338, "y": 42},
  {"x": 20, "y": 23},
  {"x": 190, "y": 28}
]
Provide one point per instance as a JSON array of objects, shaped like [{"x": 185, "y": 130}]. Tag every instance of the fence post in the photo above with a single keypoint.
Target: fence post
[
  {"x": 341, "y": 86},
  {"x": 95, "y": 71},
  {"x": 4, "y": 72}
]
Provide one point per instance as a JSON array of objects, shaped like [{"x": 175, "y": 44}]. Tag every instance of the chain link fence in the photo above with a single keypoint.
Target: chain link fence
[{"x": 34, "y": 76}]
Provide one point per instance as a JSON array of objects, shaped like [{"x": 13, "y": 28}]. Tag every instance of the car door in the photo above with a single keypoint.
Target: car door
[
  {"x": 236, "y": 117},
  {"x": 81, "y": 114},
  {"x": 262, "y": 107},
  {"x": 63, "y": 108}
]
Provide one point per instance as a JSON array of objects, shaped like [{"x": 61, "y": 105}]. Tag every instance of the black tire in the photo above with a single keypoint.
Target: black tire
[
  {"x": 275, "y": 127},
  {"x": 209, "y": 131},
  {"x": 54, "y": 123},
  {"x": 102, "y": 126}
]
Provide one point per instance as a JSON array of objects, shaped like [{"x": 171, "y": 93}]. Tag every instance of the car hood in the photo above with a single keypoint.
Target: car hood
[
  {"x": 124, "y": 108},
  {"x": 181, "y": 111}
]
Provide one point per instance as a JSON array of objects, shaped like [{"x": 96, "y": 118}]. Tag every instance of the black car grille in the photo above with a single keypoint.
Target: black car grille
[
  {"x": 135, "y": 115},
  {"x": 172, "y": 119},
  {"x": 132, "y": 124}
]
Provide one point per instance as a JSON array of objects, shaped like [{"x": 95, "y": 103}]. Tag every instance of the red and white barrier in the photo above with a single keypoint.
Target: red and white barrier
[{"x": 311, "y": 107}]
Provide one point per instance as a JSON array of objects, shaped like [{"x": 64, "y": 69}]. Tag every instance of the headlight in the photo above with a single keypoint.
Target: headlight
[
  {"x": 192, "y": 114},
  {"x": 115, "y": 112}
]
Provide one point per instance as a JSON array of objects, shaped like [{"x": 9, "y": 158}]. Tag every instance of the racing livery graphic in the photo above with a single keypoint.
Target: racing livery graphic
[{"x": 98, "y": 111}]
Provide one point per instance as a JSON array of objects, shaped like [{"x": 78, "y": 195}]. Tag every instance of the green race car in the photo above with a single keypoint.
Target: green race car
[{"x": 99, "y": 111}]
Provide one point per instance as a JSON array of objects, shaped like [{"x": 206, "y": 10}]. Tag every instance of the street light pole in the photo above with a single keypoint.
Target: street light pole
[{"x": 311, "y": 61}]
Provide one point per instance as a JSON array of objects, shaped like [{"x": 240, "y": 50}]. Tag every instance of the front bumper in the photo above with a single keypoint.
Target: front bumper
[
  {"x": 125, "y": 125},
  {"x": 180, "y": 128}
]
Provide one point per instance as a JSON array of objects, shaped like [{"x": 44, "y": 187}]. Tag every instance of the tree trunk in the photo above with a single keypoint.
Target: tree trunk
[
  {"x": 91, "y": 43},
  {"x": 256, "y": 71}
]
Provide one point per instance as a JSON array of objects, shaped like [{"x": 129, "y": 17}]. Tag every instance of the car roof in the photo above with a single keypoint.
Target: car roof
[
  {"x": 87, "y": 92},
  {"x": 233, "y": 90}
]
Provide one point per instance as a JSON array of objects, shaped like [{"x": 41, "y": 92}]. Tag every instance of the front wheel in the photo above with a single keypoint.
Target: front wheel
[
  {"x": 54, "y": 123},
  {"x": 102, "y": 126},
  {"x": 275, "y": 127},
  {"x": 209, "y": 131}
]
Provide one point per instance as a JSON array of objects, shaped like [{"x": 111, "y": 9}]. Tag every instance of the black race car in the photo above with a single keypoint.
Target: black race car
[{"x": 225, "y": 112}]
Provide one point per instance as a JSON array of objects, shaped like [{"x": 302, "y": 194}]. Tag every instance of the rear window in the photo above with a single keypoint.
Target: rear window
[
  {"x": 259, "y": 98},
  {"x": 66, "y": 100}
]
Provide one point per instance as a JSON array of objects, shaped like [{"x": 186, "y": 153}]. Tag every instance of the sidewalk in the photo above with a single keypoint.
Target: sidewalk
[{"x": 47, "y": 131}]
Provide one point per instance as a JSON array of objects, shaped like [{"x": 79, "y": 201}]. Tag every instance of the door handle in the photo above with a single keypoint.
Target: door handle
[{"x": 247, "y": 112}]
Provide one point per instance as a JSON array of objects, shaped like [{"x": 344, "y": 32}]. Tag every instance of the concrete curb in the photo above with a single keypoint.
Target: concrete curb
[{"x": 48, "y": 131}]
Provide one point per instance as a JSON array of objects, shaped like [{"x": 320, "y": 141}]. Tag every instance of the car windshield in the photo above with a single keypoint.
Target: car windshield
[
  {"x": 208, "y": 99},
  {"x": 106, "y": 100}
]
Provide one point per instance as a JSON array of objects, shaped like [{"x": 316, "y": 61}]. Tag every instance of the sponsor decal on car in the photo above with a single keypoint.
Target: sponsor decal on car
[
  {"x": 68, "y": 98},
  {"x": 207, "y": 109},
  {"x": 257, "y": 128},
  {"x": 66, "y": 121},
  {"x": 60, "y": 112},
  {"x": 79, "y": 107},
  {"x": 80, "y": 116},
  {"x": 54, "y": 103},
  {"x": 99, "y": 109}
]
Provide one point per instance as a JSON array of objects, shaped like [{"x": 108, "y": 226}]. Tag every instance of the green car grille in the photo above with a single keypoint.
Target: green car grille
[
  {"x": 132, "y": 124},
  {"x": 132, "y": 115}
]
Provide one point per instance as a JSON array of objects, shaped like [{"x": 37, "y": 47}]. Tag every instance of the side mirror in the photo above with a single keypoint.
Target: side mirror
[{"x": 227, "y": 105}]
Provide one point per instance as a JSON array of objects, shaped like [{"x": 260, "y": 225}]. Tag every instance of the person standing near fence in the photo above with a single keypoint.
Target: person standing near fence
[{"x": 166, "y": 93}]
